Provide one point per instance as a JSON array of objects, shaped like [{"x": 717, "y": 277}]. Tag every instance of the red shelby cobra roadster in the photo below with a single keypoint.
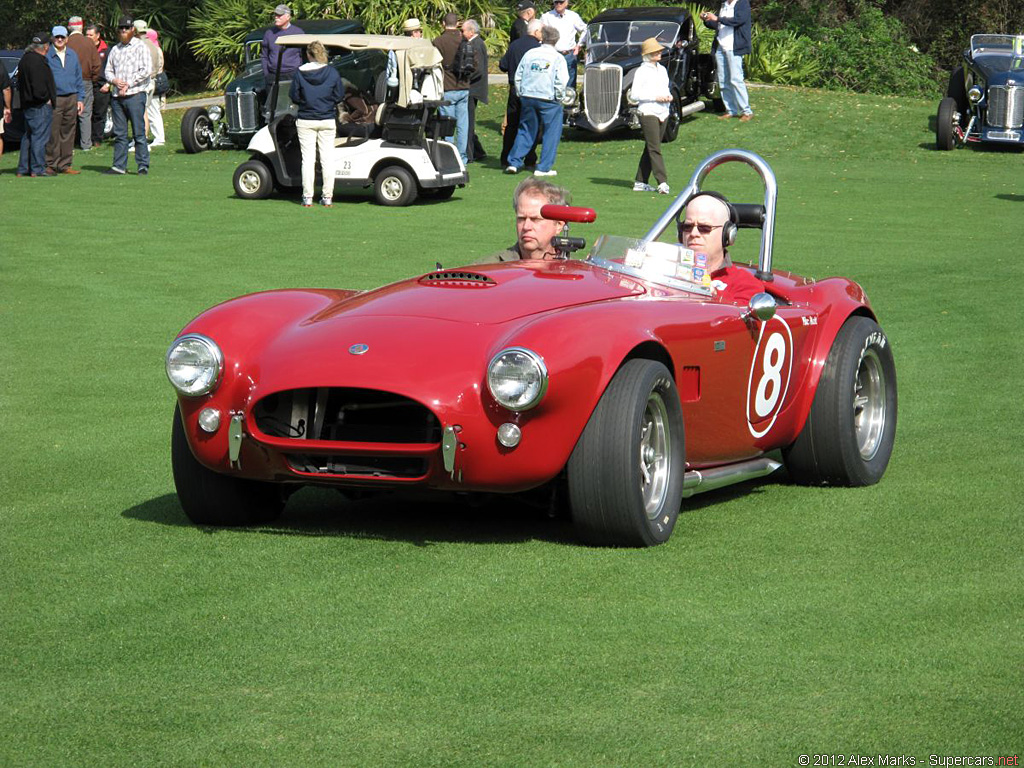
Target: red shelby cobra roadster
[{"x": 621, "y": 376}]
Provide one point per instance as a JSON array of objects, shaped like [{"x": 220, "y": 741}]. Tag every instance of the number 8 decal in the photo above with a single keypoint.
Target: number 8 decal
[{"x": 769, "y": 377}]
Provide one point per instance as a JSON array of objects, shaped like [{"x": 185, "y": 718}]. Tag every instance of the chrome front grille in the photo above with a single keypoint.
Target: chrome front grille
[
  {"x": 602, "y": 94},
  {"x": 240, "y": 109},
  {"x": 344, "y": 414},
  {"x": 1005, "y": 106}
]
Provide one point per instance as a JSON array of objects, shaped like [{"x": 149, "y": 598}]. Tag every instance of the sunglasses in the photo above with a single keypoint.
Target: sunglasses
[
  {"x": 124, "y": 29},
  {"x": 704, "y": 229},
  {"x": 60, "y": 37}
]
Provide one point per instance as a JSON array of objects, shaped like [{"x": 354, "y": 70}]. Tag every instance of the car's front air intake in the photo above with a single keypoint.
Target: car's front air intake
[
  {"x": 1005, "y": 106},
  {"x": 602, "y": 94},
  {"x": 240, "y": 110}
]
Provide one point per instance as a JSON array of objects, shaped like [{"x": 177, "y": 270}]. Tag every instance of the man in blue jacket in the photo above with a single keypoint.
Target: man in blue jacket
[
  {"x": 509, "y": 63},
  {"x": 67, "y": 76},
  {"x": 292, "y": 58},
  {"x": 732, "y": 43}
]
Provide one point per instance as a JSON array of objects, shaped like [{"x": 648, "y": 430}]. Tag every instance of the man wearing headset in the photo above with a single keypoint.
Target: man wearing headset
[{"x": 708, "y": 226}]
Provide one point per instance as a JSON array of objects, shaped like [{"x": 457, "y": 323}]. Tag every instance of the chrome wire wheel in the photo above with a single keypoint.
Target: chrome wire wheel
[
  {"x": 655, "y": 455},
  {"x": 250, "y": 181},
  {"x": 869, "y": 404},
  {"x": 392, "y": 188}
]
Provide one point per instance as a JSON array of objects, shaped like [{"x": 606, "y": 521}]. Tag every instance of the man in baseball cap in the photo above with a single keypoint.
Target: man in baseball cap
[
  {"x": 292, "y": 58},
  {"x": 527, "y": 12},
  {"x": 67, "y": 76},
  {"x": 38, "y": 93}
]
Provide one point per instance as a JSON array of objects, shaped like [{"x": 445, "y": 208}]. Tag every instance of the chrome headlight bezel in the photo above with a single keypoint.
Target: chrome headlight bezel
[
  {"x": 211, "y": 359},
  {"x": 216, "y": 112},
  {"x": 532, "y": 393},
  {"x": 975, "y": 94}
]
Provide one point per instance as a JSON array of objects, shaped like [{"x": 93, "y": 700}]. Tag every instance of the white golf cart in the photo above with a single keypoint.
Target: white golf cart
[{"x": 388, "y": 139}]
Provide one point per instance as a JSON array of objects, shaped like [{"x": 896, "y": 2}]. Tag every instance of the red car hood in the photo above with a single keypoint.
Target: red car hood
[{"x": 488, "y": 294}]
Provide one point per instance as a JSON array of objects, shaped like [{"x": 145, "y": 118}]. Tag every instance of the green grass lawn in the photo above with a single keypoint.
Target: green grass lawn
[{"x": 778, "y": 621}]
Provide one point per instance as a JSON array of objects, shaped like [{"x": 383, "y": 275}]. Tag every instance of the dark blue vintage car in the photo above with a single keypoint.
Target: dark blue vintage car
[{"x": 985, "y": 97}]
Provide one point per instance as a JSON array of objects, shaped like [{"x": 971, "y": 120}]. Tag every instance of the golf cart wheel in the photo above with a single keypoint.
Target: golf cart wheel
[
  {"x": 626, "y": 472},
  {"x": 253, "y": 180},
  {"x": 850, "y": 430},
  {"x": 945, "y": 122},
  {"x": 196, "y": 131},
  {"x": 394, "y": 186},
  {"x": 210, "y": 498}
]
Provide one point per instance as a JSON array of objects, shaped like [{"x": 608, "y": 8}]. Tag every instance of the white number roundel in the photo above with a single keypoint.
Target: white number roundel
[{"x": 769, "y": 376}]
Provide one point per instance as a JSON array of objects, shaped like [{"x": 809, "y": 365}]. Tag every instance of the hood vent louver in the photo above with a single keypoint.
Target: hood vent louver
[{"x": 448, "y": 278}]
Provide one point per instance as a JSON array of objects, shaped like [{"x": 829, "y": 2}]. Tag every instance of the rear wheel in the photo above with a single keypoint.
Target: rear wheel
[
  {"x": 253, "y": 180},
  {"x": 945, "y": 122},
  {"x": 437, "y": 193},
  {"x": 210, "y": 498},
  {"x": 850, "y": 430},
  {"x": 196, "y": 130},
  {"x": 394, "y": 186},
  {"x": 626, "y": 472}
]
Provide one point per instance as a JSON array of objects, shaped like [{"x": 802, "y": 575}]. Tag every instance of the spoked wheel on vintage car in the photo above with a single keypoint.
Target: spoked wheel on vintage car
[
  {"x": 210, "y": 498},
  {"x": 850, "y": 430},
  {"x": 253, "y": 180},
  {"x": 394, "y": 185},
  {"x": 626, "y": 472},
  {"x": 947, "y": 121},
  {"x": 196, "y": 130}
]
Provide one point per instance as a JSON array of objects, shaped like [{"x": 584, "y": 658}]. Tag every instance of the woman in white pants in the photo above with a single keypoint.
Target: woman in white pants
[{"x": 317, "y": 90}]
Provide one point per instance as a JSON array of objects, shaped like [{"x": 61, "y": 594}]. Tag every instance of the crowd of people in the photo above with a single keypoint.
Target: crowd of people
[{"x": 67, "y": 80}]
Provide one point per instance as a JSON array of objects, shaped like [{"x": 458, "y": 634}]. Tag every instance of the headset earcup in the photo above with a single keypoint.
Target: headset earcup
[{"x": 728, "y": 234}]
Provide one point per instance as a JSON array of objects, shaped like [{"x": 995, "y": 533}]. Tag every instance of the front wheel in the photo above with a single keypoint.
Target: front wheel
[
  {"x": 394, "y": 186},
  {"x": 626, "y": 472},
  {"x": 253, "y": 180},
  {"x": 210, "y": 498},
  {"x": 851, "y": 427},
  {"x": 196, "y": 130},
  {"x": 945, "y": 124}
]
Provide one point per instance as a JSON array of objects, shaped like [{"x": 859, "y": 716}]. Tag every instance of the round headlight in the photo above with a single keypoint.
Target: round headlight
[
  {"x": 194, "y": 364},
  {"x": 215, "y": 112},
  {"x": 517, "y": 378},
  {"x": 975, "y": 94},
  {"x": 569, "y": 98}
]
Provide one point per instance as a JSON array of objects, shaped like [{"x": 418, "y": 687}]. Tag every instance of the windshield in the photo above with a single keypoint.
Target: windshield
[
  {"x": 10, "y": 64},
  {"x": 622, "y": 39},
  {"x": 664, "y": 263},
  {"x": 998, "y": 44}
]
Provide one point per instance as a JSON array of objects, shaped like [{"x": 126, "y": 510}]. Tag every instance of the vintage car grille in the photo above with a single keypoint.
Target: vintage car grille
[
  {"x": 343, "y": 414},
  {"x": 1005, "y": 106},
  {"x": 602, "y": 94},
  {"x": 240, "y": 110}
]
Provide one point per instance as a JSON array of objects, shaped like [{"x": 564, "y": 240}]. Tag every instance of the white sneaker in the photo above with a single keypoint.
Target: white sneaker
[
  {"x": 157, "y": 144},
  {"x": 639, "y": 186},
  {"x": 663, "y": 188},
  {"x": 511, "y": 169},
  {"x": 307, "y": 202},
  {"x": 552, "y": 172}
]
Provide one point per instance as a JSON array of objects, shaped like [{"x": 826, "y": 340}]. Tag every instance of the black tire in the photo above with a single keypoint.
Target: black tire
[
  {"x": 253, "y": 180},
  {"x": 957, "y": 91},
  {"x": 636, "y": 430},
  {"x": 394, "y": 186},
  {"x": 851, "y": 428},
  {"x": 671, "y": 130},
  {"x": 945, "y": 120},
  {"x": 196, "y": 130},
  {"x": 437, "y": 193},
  {"x": 209, "y": 498}
]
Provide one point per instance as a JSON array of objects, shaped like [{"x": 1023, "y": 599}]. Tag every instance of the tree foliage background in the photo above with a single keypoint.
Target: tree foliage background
[{"x": 882, "y": 46}]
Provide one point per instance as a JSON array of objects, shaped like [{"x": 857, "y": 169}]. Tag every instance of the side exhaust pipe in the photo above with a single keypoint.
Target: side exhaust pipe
[{"x": 700, "y": 480}]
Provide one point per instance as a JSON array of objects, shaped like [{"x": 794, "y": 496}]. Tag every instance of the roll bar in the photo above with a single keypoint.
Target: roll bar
[{"x": 764, "y": 263}]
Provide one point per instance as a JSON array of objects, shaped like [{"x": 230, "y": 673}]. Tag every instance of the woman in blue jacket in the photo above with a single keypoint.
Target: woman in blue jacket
[
  {"x": 732, "y": 43},
  {"x": 317, "y": 90}
]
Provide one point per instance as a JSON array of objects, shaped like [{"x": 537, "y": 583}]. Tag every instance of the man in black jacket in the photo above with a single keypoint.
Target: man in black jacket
[
  {"x": 38, "y": 95},
  {"x": 513, "y": 109},
  {"x": 527, "y": 12},
  {"x": 477, "y": 85}
]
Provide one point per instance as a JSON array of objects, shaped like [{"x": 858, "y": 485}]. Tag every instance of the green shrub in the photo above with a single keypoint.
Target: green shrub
[
  {"x": 782, "y": 56},
  {"x": 871, "y": 53}
]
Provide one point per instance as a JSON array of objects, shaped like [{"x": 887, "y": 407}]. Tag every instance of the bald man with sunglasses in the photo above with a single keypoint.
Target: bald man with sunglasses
[{"x": 705, "y": 218}]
